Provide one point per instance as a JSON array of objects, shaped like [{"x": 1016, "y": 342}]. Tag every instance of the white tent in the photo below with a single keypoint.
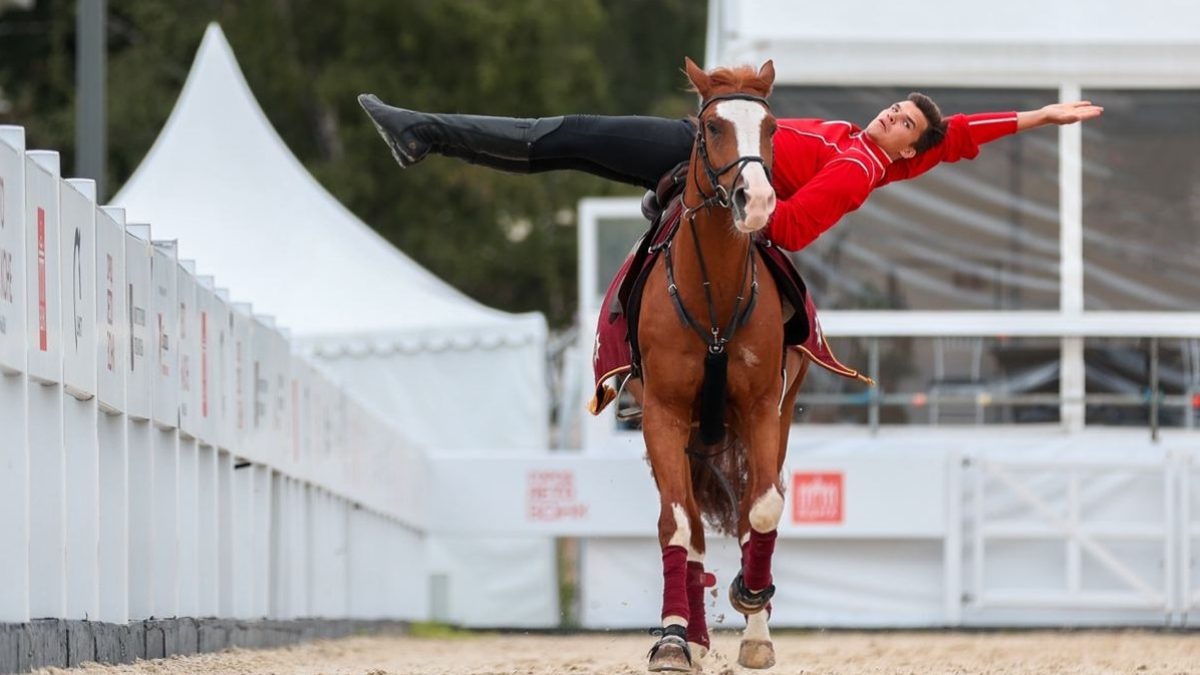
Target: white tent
[{"x": 453, "y": 374}]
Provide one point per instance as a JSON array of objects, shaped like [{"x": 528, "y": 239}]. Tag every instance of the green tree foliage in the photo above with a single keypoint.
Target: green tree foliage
[{"x": 508, "y": 241}]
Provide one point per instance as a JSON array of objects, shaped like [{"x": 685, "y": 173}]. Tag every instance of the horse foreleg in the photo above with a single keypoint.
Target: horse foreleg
[
  {"x": 666, "y": 432},
  {"x": 752, "y": 590}
]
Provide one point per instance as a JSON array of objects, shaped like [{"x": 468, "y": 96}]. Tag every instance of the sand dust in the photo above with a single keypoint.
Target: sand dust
[{"x": 810, "y": 653}]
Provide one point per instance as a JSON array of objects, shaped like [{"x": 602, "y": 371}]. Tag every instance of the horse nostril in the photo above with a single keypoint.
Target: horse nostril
[{"x": 739, "y": 198}]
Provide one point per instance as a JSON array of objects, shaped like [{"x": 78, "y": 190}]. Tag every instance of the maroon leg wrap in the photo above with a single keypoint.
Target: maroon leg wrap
[
  {"x": 697, "y": 628},
  {"x": 675, "y": 598},
  {"x": 756, "y": 559}
]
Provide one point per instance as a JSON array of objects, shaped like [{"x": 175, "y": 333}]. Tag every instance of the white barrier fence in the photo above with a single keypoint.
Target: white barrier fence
[
  {"x": 906, "y": 527},
  {"x": 162, "y": 452}
]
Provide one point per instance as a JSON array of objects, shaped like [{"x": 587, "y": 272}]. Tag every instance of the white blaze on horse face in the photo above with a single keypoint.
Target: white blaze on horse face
[
  {"x": 747, "y": 119},
  {"x": 767, "y": 510}
]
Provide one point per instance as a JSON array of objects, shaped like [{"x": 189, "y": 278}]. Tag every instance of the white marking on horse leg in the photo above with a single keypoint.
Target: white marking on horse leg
[
  {"x": 783, "y": 389},
  {"x": 683, "y": 534},
  {"x": 756, "y": 627},
  {"x": 674, "y": 621},
  {"x": 683, "y": 530},
  {"x": 767, "y": 510}
]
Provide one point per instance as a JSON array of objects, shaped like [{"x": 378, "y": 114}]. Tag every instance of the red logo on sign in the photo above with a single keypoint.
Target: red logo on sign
[
  {"x": 817, "y": 497},
  {"x": 41, "y": 216},
  {"x": 551, "y": 497}
]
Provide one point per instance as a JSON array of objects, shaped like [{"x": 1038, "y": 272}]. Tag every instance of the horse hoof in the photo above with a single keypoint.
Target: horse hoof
[
  {"x": 670, "y": 658},
  {"x": 756, "y": 654}
]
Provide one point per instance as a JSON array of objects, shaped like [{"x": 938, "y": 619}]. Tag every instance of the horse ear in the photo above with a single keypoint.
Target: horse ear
[
  {"x": 698, "y": 77},
  {"x": 767, "y": 74}
]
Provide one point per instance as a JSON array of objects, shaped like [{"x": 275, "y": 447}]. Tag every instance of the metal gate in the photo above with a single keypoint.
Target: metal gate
[{"x": 1080, "y": 533}]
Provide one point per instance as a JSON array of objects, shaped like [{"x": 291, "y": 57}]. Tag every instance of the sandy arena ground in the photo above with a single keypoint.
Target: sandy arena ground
[{"x": 1082, "y": 653}]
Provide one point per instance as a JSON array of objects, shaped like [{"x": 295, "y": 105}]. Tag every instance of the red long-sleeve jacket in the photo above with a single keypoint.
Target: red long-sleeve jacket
[{"x": 826, "y": 169}]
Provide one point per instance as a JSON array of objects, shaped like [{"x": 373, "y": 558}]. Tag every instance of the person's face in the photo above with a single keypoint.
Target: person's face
[{"x": 897, "y": 128}]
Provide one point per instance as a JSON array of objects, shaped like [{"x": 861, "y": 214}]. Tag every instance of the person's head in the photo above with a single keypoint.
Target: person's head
[{"x": 908, "y": 127}]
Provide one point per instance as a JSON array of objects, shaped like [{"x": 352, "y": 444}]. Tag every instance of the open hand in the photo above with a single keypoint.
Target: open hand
[{"x": 1070, "y": 113}]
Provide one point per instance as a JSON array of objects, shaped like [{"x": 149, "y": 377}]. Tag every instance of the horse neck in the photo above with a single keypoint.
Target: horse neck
[{"x": 723, "y": 247}]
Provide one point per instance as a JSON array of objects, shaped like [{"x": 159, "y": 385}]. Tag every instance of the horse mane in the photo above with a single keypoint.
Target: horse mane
[{"x": 726, "y": 79}]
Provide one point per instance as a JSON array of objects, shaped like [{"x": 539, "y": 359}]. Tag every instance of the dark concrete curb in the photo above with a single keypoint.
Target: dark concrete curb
[{"x": 63, "y": 644}]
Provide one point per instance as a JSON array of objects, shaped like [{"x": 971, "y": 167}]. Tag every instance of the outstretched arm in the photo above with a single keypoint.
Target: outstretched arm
[
  {"x": 965, "y": 133},
  {"x": 1058, "y": 113}
]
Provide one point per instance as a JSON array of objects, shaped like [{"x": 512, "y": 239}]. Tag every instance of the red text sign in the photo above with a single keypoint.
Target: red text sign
[
  {"x": 817, "y": 497},
  {"x": 551, "y": 497}
]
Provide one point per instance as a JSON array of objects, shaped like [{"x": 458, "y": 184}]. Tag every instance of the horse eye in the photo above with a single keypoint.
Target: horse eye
[{"x": 713, "y": 128}]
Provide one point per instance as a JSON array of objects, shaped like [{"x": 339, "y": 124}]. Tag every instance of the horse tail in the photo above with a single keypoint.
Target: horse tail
[{"x": 719, "y": 475}]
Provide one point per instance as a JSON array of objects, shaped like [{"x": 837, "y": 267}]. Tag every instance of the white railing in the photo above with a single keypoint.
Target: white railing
[{"x": 162, "y": 451}]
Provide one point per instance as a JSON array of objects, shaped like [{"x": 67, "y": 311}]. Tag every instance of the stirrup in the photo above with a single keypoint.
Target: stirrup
[{"x": 632, "y": 412}]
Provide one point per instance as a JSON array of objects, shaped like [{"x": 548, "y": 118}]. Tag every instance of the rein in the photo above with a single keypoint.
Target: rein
[{"x": 720, "y": 198}]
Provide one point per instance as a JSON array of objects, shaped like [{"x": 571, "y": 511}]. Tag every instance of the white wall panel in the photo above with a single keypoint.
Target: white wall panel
[
  {"x": 242, "y": 379},
  {"x": 189, "y": 350},
  {"x": 14, "y": 444},
  {"x": 206, "y": 352},
  {"x": 111, "y": 314},
  {"x": 81, "y": 443},
  {"x": 78, "y": 270},
  {"x": 224, "y": 431},
  {"x": 41, "y": 265},
  {"x": 164, "y": 329},
  {"x": 138, "y": 343},
  {"x": 12, "y": 250}
]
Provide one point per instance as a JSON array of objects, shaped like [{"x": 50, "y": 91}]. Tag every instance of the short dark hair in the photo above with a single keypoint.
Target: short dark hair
[{"x": 936, "y": 131}]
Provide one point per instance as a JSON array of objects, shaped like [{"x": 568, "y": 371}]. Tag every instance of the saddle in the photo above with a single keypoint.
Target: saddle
[{"x": 616, "y": 347}]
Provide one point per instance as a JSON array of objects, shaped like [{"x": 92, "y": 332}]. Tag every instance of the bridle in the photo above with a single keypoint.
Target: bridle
[
  {"x": 720, "y": 196},
  {"x": 713, "y": 335}
]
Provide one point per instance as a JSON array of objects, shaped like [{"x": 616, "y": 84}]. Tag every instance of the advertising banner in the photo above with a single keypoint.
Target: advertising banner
[
  {"x": 111, "y": 314},
  {"x": 189, "y": 349},
  {"x": 12, "y": 250},
  {"x": 164, "y": 331},
  {"x": 78, "y": 255},
  {"x": 41, "y": 266},
  {"x": 137, "y": 297}
]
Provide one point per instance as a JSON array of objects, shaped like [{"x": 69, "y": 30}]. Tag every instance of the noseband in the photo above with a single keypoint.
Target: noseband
[{"x": 720, "y": 196}]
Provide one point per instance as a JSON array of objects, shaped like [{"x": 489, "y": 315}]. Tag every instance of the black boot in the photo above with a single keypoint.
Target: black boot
[{"x": 496, "y": 142}]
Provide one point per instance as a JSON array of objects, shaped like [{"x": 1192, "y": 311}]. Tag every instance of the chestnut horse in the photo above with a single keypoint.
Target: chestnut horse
[{"x": 717, "y": 401}]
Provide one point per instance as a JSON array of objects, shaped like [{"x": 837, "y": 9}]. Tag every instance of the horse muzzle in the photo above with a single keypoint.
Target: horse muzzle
[{"x": 752, "y": 200}]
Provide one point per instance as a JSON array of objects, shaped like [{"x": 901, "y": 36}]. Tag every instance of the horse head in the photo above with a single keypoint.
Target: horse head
[{"x": 733, "y": 141}]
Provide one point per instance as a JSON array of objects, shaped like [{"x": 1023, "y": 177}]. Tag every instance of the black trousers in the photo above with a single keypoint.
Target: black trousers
[{"x": 634, "y": 150}]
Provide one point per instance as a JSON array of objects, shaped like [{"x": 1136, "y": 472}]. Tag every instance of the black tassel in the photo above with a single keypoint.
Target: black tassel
[{"x": 712, "y": 398}]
